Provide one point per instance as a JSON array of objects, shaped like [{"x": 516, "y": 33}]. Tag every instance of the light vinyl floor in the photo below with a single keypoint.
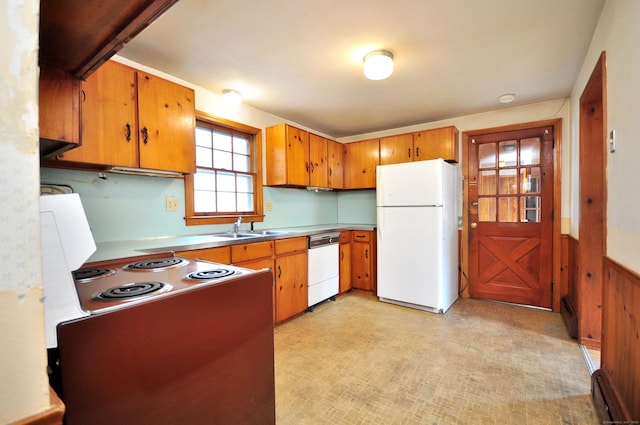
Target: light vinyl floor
[{"x": 360, "y": 361}]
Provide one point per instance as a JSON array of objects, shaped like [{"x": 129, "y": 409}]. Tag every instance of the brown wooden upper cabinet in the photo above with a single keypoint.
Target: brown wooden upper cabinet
[
  {"x": 297, "y": 158},
  {"x": 59, "y": 109},
  {"x": 420, "y": 146},
  {"x": 134, "y": 119},
  {"x": 360, "y": 161}
]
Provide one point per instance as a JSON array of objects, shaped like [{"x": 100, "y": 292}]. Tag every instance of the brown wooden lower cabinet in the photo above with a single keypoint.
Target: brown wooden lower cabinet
[
  {"x": 363, "y": 260},
  {"x": 345, "y": 261},
  {"x": 220, "y": 254}
]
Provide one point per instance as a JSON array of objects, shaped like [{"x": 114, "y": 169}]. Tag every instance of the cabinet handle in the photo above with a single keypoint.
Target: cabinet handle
[
  {"x": 366, "y": 254},
  {"x": 409, "y": 153},
  {"x": 128, "y": 132},
  {"x": 342, "y": 255},
  {"x": 417, "y": 152},
  {"x": 84, "y": 96},
  {"x": 279, "y": 272},
  {"x": 360, "y": 236},
  {"x": 145, "y": 135},
  {"x": 306, "y": 166}
]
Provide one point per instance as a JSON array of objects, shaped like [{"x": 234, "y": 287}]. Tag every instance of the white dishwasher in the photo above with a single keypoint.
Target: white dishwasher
[{"x": 323, "y": 267}]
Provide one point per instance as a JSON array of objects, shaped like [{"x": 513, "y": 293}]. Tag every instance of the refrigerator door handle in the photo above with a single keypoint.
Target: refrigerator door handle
[{"x": 380, "y": 225}]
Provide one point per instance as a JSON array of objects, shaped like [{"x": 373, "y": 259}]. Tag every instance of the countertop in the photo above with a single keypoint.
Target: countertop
[{"x": 137, "y": 247}]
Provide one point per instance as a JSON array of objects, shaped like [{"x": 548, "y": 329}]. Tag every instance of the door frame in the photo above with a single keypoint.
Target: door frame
[{"x": 557, "y": 193}]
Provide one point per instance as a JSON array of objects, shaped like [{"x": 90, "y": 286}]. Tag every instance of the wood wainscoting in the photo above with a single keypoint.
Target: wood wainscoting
[
  {"x": 621, "y": 341},
  {"x": 568, "y": 283}
]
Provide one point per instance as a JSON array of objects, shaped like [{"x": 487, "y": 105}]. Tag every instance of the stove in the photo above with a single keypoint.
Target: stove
[{"x": 109, "y": 285}]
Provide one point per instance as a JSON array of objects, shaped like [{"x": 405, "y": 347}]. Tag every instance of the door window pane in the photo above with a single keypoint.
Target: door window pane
[
  {"x": 487, "y": 209},
  {"x": 530, "y": 151},
  {"x": 487, "y": 184},
  {"x": 508, "y": 154},
  {"x": 487, "y": 155},
  {"x": 508, "y": 182},
  {"x": 530, "y": 209},
  {"x": 530, "y": 179},
  {"x": 508, "y": 212}
]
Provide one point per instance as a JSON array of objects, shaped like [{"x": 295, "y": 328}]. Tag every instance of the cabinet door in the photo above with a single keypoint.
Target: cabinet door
[
  {"x": 297, "y": 156},
  {"x": 345, "y": 267},
  {"x": 361, "y": 265},
  {"x": 335, "y": 157},
  {"x": 166, "y": 125},
  {"x": 265, "y": 263},
  {"x": 318, "y": 166},
  {"x": 436, "y": 143},
  {"x": 59, "y": 109},
  {"x": 108, "y": 118},
  {"x": 291, "y": 285},
  {"x": 361, "y": 159},
  {"x": 396, "y": 149}
]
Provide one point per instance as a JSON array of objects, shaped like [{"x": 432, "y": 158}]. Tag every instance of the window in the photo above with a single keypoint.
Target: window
[{"x": 228, "y": 178}]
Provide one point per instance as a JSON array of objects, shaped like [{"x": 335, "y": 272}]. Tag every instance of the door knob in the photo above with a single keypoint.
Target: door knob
[
  {"x": 474, "y": 203},
  {"x": 474, "y": 225}
]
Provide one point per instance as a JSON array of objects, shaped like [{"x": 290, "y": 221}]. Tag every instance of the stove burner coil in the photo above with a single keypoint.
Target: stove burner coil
[
  {"x": 129, "y": 291},
  {"x": 209, "y": 274},
  {"x": 88, "y": 275},
  {"x": 156, "y": 264}
]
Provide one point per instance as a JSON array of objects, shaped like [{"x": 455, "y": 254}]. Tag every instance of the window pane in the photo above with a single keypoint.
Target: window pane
[
  {"x": 226, "y": 182},
  {"x": 204, "y": 180},
  {"x": 222, "y": 141},
  {"x": 487, "y": 184},
  {"x": 487, "y": 209},
  {"x": 203, "y": 157},
  {"x": 530, "y": 151},
  {"x": 241, "y": 145},
  {"x": 241, "y": 163},
  {"x": 226, "y": 202},
  {"x": 204, "y": 201},
  {"x": 245, "y": 202},
  {"x": 530, "y": 207},
  {"x": 222, "y": 160},
  {"x": 508, "y": 210},
  {"x": 487, "y": 155},
  {"x": 244, "y": 183},
  {"x": 530, "y": 178},
  {"x": 508, "y": 182},
  {"x": 507, "y": 156},
  {"x": 203, "y": 137}
]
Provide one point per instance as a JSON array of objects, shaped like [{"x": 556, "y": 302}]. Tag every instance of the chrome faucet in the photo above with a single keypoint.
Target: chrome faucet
[{"x": 236, "y": 225}]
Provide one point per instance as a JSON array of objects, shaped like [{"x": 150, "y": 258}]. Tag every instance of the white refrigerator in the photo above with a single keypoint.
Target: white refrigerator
[{"x": 417, "y": 228}]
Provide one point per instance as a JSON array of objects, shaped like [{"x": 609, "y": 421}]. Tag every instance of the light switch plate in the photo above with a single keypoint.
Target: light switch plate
[
  {"x": 612, "y": 141},
  {"x": 173, "y": 204}
]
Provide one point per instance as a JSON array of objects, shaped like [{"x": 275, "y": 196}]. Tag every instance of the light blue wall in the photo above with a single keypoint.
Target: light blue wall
[{"x": 125, "y": 207}]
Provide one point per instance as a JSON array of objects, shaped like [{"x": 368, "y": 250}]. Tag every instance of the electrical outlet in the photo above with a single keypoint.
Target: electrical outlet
[
  {"x": 172, "y": 203},
  {"x": 268, "y": 206}
]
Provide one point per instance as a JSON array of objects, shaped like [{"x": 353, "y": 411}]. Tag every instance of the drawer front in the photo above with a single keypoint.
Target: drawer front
[
  {"x": 251, "y": 251},
  {"x": 215, "y": 255},
  {"x": 345, "y": 236},
  {"x": 361, "y": 236},
  {"x": 284, "y": 246}
]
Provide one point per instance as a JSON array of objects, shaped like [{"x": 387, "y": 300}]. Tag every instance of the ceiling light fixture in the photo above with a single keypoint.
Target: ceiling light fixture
[
  {"x": 378, "y": 64},
  {"x": 506, "y": 98},
  {"x": 231, "y": 96}
]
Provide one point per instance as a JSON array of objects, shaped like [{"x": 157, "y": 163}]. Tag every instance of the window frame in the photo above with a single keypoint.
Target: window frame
[{"x": 191, "y": 218}]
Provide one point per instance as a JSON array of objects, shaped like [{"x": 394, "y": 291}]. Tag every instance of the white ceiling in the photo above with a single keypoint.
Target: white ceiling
[{"x": 302, "y": 59}]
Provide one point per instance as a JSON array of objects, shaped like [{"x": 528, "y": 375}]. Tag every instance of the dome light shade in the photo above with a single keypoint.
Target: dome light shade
[
  {"x": 231, "y": 96},
  {"x": 378, "y": 65}
]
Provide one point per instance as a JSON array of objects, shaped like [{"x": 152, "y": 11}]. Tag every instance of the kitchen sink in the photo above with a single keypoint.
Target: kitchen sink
[
  {"x": 250, "y": 234},
  {"x": 269, "y": 232},
  {"x": 240, "y": 235}
]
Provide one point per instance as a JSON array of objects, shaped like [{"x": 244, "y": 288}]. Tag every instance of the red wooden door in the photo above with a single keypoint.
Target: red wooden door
[{"x": 511, "y": 216}]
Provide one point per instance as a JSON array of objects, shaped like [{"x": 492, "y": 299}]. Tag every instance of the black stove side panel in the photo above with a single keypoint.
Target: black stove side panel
[{"x": 202, "y": 356}]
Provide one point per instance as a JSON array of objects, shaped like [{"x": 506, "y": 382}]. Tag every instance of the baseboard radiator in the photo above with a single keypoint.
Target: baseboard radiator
[
  {"x": 569, "y": 316},
  {"x": 605, "y": 398}
]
